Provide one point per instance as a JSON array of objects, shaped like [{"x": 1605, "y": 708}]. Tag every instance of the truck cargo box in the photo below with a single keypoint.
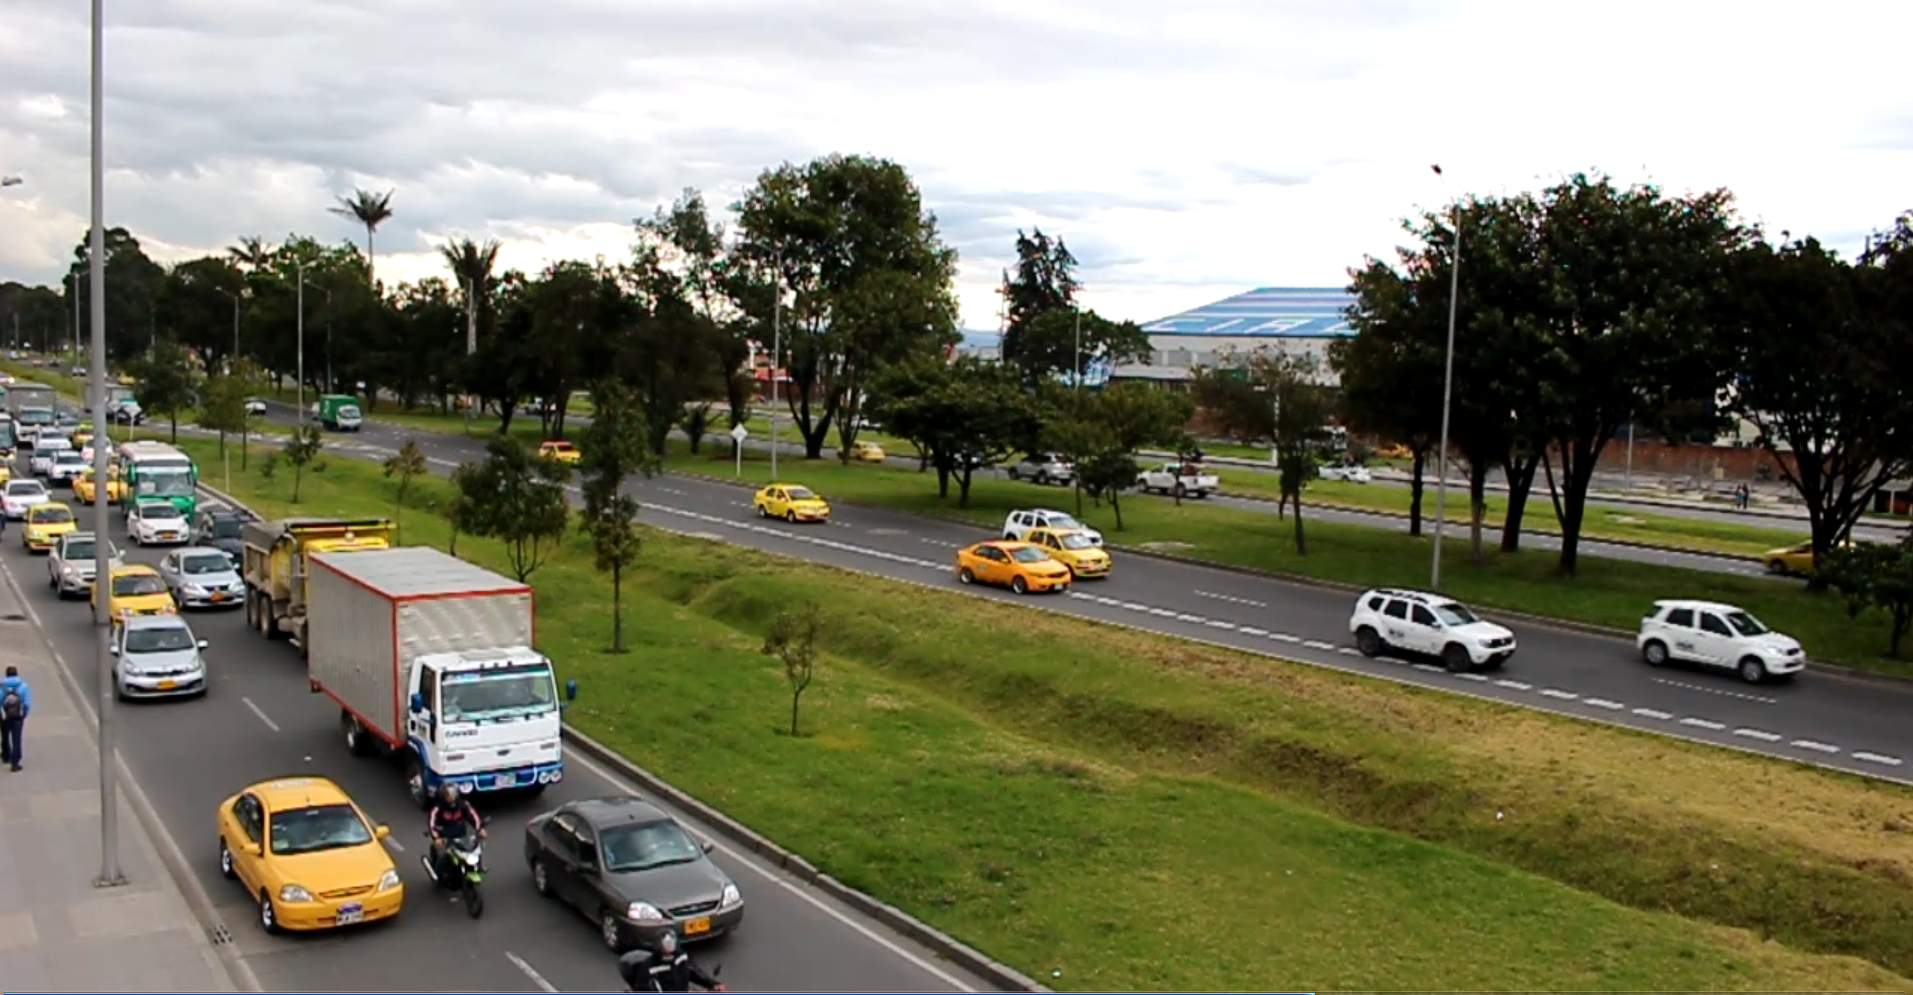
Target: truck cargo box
[{"x": 370, "y": 614}]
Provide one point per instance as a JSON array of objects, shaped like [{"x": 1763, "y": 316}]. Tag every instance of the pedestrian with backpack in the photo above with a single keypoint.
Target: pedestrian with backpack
[{"x": 16, "y": 702}]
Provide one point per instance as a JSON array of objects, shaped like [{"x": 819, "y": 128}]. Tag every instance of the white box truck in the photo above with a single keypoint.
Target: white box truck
[{"x": 430, "y": 660}]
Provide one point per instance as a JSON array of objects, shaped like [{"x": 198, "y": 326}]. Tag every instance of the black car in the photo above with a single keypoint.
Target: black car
[
  {"x": 633, "y": 870},
  {"x": 219, "y": 528}
]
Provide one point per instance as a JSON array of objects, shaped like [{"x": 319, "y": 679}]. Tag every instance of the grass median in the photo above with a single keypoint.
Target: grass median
[
  {"x": 1608, "y": 592},
  {"x": 1110, "y": 810}
]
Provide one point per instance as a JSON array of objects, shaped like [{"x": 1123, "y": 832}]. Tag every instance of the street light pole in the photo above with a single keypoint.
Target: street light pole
[
  {"x": 777, "y": 344},
  {"x": 1447, "y": 403},
  {"x": 110, "y": 875},
  {"x": 232, "y": 365},
  {"x": 299, "y": 272}
]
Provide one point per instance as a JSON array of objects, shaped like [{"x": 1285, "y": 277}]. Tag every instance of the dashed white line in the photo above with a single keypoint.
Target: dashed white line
[
  {"x": 1653, "y": 713},
  {"x": 1513, "y": 685},
  {"x": 1216, "y": 623},
  {"x": 1558, "y": 694},
  {"x": 528, "y": 971},
  {"x": 1283, "y": 637},
  {"x": 1428, "y": 668},
  {"x": 1808, "y": 744},
  {"x": 1683, "y": 685},
  {"x": 263, "y": 717},
  {"x": 1162, "y": 613},
  {"x": 1702, "y": 723},
  {"x": 1348, "y": 651},
  {"x": 1875, "y": 758},
  {"x": 1232, "y": 599},
  {"x": 1612, "y": 706},
  {"x": 1247, "y": 631},
  {"x": 1759, "y": 734},
  {"x": 1317, "y": 644},
  {"x": 1192, "y": 619},
  {"x": 1471, "y": 676}
]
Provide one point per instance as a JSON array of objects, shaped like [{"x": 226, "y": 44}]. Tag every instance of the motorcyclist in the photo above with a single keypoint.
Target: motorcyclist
[
  {"x": 667, "y": 968},
  {"x": 452, "y": 817}
]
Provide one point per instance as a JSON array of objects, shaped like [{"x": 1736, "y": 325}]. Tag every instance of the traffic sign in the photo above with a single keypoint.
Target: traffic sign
[{"x": 739, "y": 433}]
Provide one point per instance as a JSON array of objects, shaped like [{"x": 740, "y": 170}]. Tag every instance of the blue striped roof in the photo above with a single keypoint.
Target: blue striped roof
[{"x": 1293, "y": 312}]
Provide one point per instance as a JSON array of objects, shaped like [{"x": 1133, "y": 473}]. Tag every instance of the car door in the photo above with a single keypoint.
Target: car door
[
  {"x": 169, "y": 571},
  {"x": 248, "y": 818},
  {"x": 1424, "y": 629},
  {"x": 996, "y": 565},
  {"x": 1395, "y": 624},
  {"x": 591, "y": 889},
  {"x": 1716, "y": 641},
  {"x": 1677, "y": 631},
  {"x": 559, "y": 840}
]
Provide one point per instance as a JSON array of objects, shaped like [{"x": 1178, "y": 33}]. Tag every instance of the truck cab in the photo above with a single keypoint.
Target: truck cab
[{"x": 485, "y": 721}]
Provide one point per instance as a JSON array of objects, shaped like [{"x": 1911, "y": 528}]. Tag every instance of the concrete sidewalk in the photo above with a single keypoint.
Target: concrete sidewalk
[{"x": 59, "y": 933}]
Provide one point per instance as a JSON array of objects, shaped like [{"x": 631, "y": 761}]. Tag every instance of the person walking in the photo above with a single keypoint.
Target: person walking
[{"x": 16, "y": 703}]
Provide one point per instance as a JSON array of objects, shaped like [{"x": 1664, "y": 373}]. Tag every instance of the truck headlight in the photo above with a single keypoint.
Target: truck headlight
[
  {"x": 643, "y": 912},
  {"x": 294, "y": 893}
]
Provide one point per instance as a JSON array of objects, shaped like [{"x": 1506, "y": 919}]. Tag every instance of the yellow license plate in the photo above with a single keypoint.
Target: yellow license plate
[
  {"x": 219, "y": 595},
  {"x": 698, "y": 926},
  {"x": 167, "y": 685}
]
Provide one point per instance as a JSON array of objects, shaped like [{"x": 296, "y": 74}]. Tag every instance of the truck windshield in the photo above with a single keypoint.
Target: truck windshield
[
  {"x": 35, "y": 416},
  {"x": 498, "y": 693}
]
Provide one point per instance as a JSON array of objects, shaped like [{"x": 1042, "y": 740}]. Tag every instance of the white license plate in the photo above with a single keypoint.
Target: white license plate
[
  {"x": 506, "y": 780},
  {"x": 349, "y": 916}
]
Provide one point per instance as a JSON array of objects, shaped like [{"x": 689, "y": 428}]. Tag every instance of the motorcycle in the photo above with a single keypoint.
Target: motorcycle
[
  {"x": 650, "y": 985},
  {"x": 464, "y": 856}
]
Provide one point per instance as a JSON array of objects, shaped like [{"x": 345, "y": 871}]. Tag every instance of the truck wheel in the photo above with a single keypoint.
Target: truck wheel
[
  {"x": 415, "y": 781},
  {"x": 356, "y": 741}
]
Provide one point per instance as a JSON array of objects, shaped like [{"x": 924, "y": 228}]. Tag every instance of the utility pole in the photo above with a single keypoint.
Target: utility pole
[
  {"x": 777, "y": 344},
  {"x": 471, "y": 345},
  {"x": 299, "y": 273},
  {"x": 110, "y": 875},
  {"x": 1447, "y": 402}
]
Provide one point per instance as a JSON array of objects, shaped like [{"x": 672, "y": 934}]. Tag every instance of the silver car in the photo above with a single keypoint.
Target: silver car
[
  {"x": 70, "y": 567},
  {"x": 157, "y": 656},
  {"x": 202, "y": 577}
]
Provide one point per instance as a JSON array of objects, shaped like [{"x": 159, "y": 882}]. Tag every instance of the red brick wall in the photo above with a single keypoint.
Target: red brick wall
[{"x": 1690, "y": 460}]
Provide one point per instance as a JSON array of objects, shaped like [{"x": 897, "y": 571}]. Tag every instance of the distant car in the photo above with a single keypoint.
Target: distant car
[
  {"x": 45, "y": 524},
  {"x": 1043, "y": 468},
  {"x": 70, "y": 567},
  {"x": 1354, "y": 473},
  {"x": 157, "y": 656},
  {"x": 1712, "y": 634},
  {"x": 1179, "y": 479},
  {"x": 791, "y": 502},
  {"x": 21, "y": 495},
  {"x": 1074, "y": 549},
  {"x": 202, "y": 577},
  {"x": 1423, "y": 624},
  {"x": 1793, "y": 561},
  {"x": 255, "y": 405},
  {"x": 1019, "y": 566},
  {"x": 86, "y": 492},
  {"x": 560, "y": 450},
  {"x": 1018, "y": 524},
  {"x": 154, "y": 523},
  {"x": 867, "y": 452},
  {"x": 67, "y": 464},
  {"x": 219, "y": 529},
  {"x": 45, "y": 447},
  {"x": 308, "y": 855},
  {"x": 633, "y": 870}
]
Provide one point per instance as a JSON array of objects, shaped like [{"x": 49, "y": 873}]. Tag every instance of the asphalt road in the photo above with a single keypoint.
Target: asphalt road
[
  {"x": 259, "y": 721},
  {"x": 1846, "y": 723}
]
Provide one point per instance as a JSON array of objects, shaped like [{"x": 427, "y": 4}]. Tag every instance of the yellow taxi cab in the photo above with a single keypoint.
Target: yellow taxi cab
[
  {"x": 45, "y": 524},
  {"x": 1395, "y": 450},
  {"x": 866, "y": 452},
  {"x": 308, "y": 856},
  {"x": 6, "y": 470},
  {"x": 1793, "y": 560},
  {"x": 82, "y": 436},
  {"x": 86, "y": 492},
  {"x": 137, "y": 590},
  {"x": 560, "y": 450},
  {"x": 1073, "y": 549},
  {"x": 1019, "y": 566},
  {"x": 126, "y": 380},
  {"x": 792, "y": 503}
]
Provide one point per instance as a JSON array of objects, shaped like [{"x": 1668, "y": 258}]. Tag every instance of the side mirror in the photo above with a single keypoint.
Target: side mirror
[
  {"x": 113, "y": 650},
  {"x": 203, "y": 644},
  {"x": 418, "y": 702},
  {"x": 256, "y": 849},
  {"x": 381, "y": 831},
  {"x": 707, "y": 844},
  {"x": 571, "y": 689}
]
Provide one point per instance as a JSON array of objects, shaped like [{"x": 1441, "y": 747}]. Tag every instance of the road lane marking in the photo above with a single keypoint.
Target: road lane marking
[
  {"x": 1514, "y": 685},
  {"x": 1558, "y": 694},
  {"x": 1232, "y": 599},
  {"x": 1283, "y": 637},
  {"x": 1759, "y": 734},
  {"x": 1875, "y": 758},
  {"x": 1134, "y": 607},
  {"x": 1428, "y": 668},
  {"x": 1808, "y": 744},
  {"x": 1653, "y": 713},
  {"x": 1348, "y": 651},
  {"x": 1612, "y": 706},
  {"x": 1216, "y": 623},
  {"x": 528, "y": 971},
  {"x": 263, "y": 717},
  {"x": 1249, "y": 631},
  {"x": 1743, "y": 696},
  {"x": 1702, "y": 723},
  {"x": 1483, "y": 678},
  {"x": 1191, "y": 619}
]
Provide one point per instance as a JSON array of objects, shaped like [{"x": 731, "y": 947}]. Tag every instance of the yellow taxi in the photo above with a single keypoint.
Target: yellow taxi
[
  {"x": 1019, "y": 566},
  {"x": 560, "y": 450},
  {"x": 1073, "y": 549},
  {"x": 866, "y": 452},
  {"x": 82, "y": 436},
  {"x": 6, "y": 470},
  {"x": 126, "y": 380},
  {"x": 308, "y": 856},
  {"x": 137, "y": 590},
  {"x": 1395, "y": 450},
  {"x": 86, "y": 492},
  {"x": 45, "y": 524},
  {"x": 792, "y": 503},
  {"x": 1793, "y": 560}
]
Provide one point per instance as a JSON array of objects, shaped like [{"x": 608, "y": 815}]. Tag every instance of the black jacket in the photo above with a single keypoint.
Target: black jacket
[
  {"x": 645, "y": 971},
  {"x": 451, "y": 819}
]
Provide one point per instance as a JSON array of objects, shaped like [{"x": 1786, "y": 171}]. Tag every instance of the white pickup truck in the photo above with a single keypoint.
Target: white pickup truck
[{"x": 1180, "y": 479}]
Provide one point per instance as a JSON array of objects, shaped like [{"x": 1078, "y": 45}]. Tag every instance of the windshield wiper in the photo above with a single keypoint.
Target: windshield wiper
[{"x": 654, "y": 865}]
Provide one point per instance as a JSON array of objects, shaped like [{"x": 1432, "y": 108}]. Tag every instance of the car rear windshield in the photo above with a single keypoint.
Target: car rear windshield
[
  {"x": 26, "y": 488},
  {"x": 318, "y": 827},
  {"x": 158, "y": 511},
  {"x": 225, "y": 527},
  {"x": 641, "y": 846},
  {"x": 1075, "y": 540},
  {"x": 206, "y": 563},
  {"x": 78, "y": 549}
]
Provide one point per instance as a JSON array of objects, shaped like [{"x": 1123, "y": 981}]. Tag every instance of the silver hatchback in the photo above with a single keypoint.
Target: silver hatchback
[{"x": 156, "y": 656}]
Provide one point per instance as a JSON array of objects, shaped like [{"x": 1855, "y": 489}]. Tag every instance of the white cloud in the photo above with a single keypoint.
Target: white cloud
[{"x": 1186, "y": 150}]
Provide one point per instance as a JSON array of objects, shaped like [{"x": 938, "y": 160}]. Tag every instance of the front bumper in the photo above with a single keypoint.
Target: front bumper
[
  {"x": 210, "y": 599},
  {"x": 509, "y": 779},
  {"x": 168, "y": 686},
  {"x": 1489, "y": 657},
  {"x": 71, "y": 584},
  {"x": 691, "y": 927},
  {"x": 1047, "y": 583},
  {"x": 326, "y": 913},
  {"x": 1779, "y": 666},
  {"x": 40, "y": 544},
  {"x": 163, "y": 538}
]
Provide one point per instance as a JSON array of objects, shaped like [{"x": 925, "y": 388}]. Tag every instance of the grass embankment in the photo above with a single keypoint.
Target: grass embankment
[
  {"x": 1602, "y": 521},
  {"x": 1608, "y": 592},
  {"x": 1134, "y": 811}
]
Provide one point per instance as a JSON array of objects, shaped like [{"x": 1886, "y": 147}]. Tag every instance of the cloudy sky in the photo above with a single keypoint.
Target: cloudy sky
[{"x": 1186, "y": 150}]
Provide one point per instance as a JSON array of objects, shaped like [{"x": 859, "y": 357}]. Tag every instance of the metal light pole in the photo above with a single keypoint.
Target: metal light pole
[
  {"x": 1076, "y": 374},
  {"x": 110, "y": 876},
  {"x": 75, "y": 337},
  {"x": 777, "y": 345},
  {"x": 299, "y": 272},
  {"x": 232, "y": 365},
  {"x": 471, "y": 345},
  {"x": 1447, "y": 403}
]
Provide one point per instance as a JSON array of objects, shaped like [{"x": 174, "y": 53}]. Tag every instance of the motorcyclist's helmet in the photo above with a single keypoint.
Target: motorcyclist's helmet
[
  {"x": 449, "y": 792},
  {"x": 668, "y": 943}
]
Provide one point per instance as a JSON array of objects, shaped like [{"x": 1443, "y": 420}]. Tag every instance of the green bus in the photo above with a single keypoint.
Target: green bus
[{"x": 157, "y": 471}]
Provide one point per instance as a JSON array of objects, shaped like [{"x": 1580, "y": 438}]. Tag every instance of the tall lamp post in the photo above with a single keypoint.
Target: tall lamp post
[
  {"x": 1447, "y": 396},
  {"x": 777, "y": 344},
  {"x": 232, "y": 365},
  {"x": 299, "y": 273}
]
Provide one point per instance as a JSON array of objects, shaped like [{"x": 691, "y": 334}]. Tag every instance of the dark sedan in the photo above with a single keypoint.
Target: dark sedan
[
  {"x": 218, "y": 528},
  {"x": 633, "y": 870}
]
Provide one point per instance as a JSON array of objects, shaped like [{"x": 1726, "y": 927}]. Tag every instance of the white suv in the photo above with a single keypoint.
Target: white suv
[
  {"x": 1018, "y": 525},
  {"x": 1716, "y": 635},
  {"x": 1413, "y": 622}
]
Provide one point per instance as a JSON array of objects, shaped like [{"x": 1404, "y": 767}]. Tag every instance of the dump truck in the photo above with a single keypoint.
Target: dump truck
[
  {"x": 430, "y": 661},
  {"x": 274, "y": 566}
]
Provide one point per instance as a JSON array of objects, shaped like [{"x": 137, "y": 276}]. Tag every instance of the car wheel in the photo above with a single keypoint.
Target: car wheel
[
  {"x": 1654, "y": 654},
  {"x": 1455, "y": 658},
  {"x": 268, "y": 916},
  {"x": 763, "y": 512},
  {"x": 1369, "y": 642},
  {"x": 964, "y": 576},
  {"x": 1015, "y": 474},
  {"x": 1778, "y": 568},
  {"x": 791, "y": 517},
  {"x": 1019, "y": 585},
  {"x": 540, "y": 878},
  {"x": 609, "y": 933},
  {"x": 225, "y": 860},
  {"x": 1752, "y": 670}
]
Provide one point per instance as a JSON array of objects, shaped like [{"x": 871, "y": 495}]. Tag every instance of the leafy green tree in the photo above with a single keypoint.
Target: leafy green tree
[
  {"x": 405, "y": 465},
  {"x": 1105, "y": 471},
  {"x": 302, "y": 452},
  {"x": 868, "y": 279},
  {"x": 223, "y": 408},
  {"x": 1390, "y": 370},
  {"x": 1045, "y": 332},
  {"x": 965, "y": 414},
  {"x": 792, "y": 639},
  {"x": 199, "y": 307},
  {"x": 614, "y": 443},
  {"x": 1278, "y": 399},
  {"x": 616, "y": 542},
  {"x": 518, "y": 499},
  {"x": 133, "y": 284},
  {"x": 1874, "y": 576},
  {"x": 168, "y": 382},
  {"x": 696, "y": 423}
]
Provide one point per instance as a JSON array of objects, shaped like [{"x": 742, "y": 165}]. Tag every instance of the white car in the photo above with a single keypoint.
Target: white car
[
  {"x": 1018, "y": 525},
  {"x": 21, "y": 495},
  {"x": 67, "y": 464},
  {"x": 157, "y": 656},
  {"x": 1716, "y": 635},
  {"x": 70, "y": 568},
  {"x": 1351, "y": 472},
  {"x": 1428, "y": 624},
  {"x": 44, "y": 449},
  {"x": 153, "y": 523},
  {"x": 255, "y": 405}
]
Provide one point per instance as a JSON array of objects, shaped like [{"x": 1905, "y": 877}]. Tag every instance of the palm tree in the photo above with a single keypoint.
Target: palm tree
[
  {"x": 471, "y": 262},
  {"x": 371, "y": 210},
  {"x": 252, "y": 252}
]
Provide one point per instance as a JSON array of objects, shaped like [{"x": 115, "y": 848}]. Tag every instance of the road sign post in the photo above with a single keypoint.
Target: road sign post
[{"x": 738, "y": 434}]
